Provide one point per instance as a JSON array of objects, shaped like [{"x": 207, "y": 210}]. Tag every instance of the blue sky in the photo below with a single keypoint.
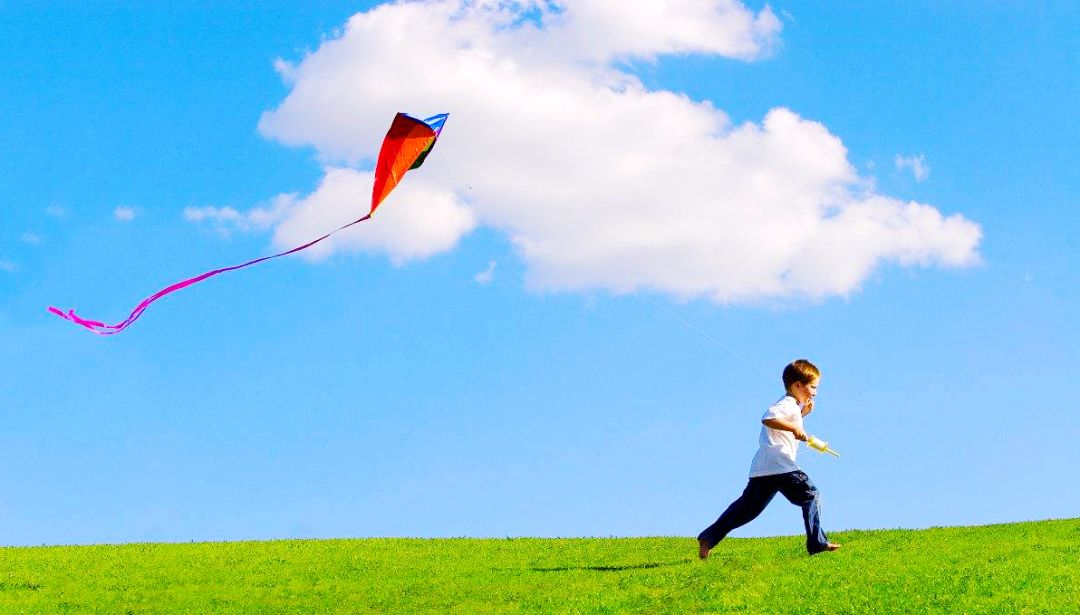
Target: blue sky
[{"x": 382, "y": 388}]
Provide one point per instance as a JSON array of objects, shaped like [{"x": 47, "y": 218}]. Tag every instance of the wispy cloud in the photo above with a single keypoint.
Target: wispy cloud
[
  {"x": 56, "y": 211},
  {"x": 916, "y": 164},
  {"x": 221, "y": 214},
  {"x": 487, "y": 275},
  {"x": 124, "y": 214},
  {"x": 228, "y": 219},
  {"x": 224, "y": 220},
  {"x": 8, "y": 265},
  {"x": 761, "y": 209},
  {"x": 31, "y": 238}
]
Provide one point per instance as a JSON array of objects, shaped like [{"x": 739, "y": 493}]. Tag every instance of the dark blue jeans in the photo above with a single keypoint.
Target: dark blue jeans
[{"x": 795, "y": 486}]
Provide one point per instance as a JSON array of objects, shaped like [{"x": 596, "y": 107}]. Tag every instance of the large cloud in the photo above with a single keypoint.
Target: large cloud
[{"x": 599, "y": 181}]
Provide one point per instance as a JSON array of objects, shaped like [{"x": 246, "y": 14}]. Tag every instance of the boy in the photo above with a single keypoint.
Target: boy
[{"x": 774, "y": 468}]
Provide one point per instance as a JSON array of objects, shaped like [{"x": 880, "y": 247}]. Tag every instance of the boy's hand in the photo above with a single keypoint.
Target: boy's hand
[{"x": 799, "y": 434}]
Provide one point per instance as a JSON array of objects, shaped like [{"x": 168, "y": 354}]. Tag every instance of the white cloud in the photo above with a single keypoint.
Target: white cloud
[
  {"x": 224, "y": 214},
  {"x": 223, "y": 220},
  {"x": 604, "y": 30},
  {"x": 31, "y": 238},
  {"x": 56, "y": 211},
  {"x": 124, "y": 214},
  {"x": 8, "y": 265},
  {"x": 227, "y": 219},
  {"x": 598, "y": 181},
  {"x": 487, "y": 275},
  {"x": 917, "y": 165}
]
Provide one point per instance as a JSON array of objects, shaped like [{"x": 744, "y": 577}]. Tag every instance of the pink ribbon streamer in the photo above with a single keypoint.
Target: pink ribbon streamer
[{"x": 101, "y": 328}]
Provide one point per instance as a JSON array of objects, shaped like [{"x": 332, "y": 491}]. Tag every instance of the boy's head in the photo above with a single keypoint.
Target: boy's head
[{"x": 800, "y": 371}]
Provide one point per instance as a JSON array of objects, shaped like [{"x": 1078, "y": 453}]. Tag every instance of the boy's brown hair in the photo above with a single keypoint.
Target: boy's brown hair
[{"x": 800, "y": 370}]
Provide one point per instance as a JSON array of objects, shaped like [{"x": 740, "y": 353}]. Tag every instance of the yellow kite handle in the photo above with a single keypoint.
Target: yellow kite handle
[{"x": 820, "y": 445}]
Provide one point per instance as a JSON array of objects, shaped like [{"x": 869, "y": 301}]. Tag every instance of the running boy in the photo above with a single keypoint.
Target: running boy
[{"x": 774, "y": 468}]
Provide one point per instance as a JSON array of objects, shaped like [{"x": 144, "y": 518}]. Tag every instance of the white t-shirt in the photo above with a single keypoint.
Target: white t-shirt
[{"x": 777, "y": 448}]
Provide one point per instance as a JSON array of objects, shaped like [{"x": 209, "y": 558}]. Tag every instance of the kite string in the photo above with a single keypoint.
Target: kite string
[
  {"x": 450, "y": 165},
  {"x": 101, "y": 328},
  {"x": 711, "y": 338}
]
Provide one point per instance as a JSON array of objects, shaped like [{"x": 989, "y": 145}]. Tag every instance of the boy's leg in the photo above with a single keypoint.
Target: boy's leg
[
  {"x": 798, "y": 489},
  {"x": 757, "y": 495}
]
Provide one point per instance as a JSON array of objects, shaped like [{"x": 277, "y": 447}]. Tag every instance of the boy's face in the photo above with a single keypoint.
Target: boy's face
[{"x": 804, "y": 393}]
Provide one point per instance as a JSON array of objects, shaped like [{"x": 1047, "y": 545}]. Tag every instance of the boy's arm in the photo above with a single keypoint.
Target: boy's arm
[{"x": 783, "y": 425}]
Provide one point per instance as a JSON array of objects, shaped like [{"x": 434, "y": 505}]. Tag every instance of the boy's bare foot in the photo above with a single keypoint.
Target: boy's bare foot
[
  {"x": 831, "y": 546},
  {"x": 703, "y": 548}
]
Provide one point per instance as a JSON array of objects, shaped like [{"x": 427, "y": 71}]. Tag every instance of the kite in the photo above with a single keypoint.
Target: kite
[{"x": 405, "y": 147}]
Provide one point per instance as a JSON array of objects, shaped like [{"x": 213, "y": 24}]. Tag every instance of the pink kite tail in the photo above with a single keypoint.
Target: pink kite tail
[{"x": 101, "y": 328}]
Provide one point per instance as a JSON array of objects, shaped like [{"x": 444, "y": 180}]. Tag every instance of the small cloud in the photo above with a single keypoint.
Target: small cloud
[
  {"x": 487, "y": 275},
  {"x": 223, "y": 219},
  {"x": 56, "y": 211},
  {"x": 917, "y": 164},
  {"x": 273, "y": 212},
  {"x": 7, "y": 265},
  {"x": 124, "y": 214},
  {"x": 222, "y": 214},
  {"x": 871, "y": 165},
  {"x": 227, "y": 219},
  {"x": 31, "y": 238}
]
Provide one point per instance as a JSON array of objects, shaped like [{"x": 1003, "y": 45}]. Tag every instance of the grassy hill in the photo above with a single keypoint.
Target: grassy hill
[{"x": 1024, "y": 567}]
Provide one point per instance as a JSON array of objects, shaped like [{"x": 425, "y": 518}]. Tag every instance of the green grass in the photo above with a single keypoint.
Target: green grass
[{"x": 1015, "y": 568}]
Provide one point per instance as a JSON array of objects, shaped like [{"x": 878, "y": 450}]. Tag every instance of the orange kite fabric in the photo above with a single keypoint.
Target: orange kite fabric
[{"x": 407, "y": 144}]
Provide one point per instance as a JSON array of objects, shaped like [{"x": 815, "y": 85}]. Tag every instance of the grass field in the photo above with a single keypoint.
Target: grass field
[{"x": 1024, "y": 567}]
